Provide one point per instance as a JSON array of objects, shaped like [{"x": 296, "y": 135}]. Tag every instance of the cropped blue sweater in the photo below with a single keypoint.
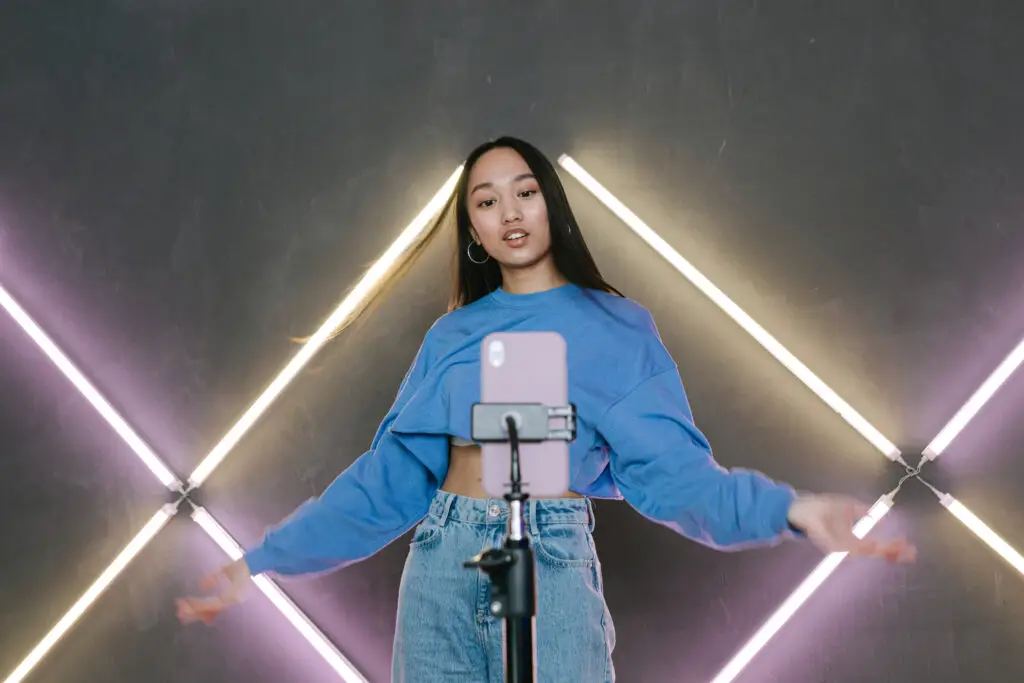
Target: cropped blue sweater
[{"x": 636, "y": 439}]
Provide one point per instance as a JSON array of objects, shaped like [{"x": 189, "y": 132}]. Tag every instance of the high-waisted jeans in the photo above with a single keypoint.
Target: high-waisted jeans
[{"x": 445, "y": 630}]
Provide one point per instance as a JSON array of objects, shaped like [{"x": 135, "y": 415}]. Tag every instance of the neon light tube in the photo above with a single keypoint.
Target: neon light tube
[
  {"x": 282, "y": 602},
  {"x": 134, "y": 547},
  {"x": 91, "y": 394},
  {"x": 982, "y": 531},
  {"x": 371, "y": 281},
  {"x": 975, "y": 403},
  {"x": 770, "y": 343}
]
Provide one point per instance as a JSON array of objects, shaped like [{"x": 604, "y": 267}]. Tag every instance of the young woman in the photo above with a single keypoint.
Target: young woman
[{"x": 523, "y": 265}]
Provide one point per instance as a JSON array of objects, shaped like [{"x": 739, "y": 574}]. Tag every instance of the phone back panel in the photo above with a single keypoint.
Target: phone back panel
[{"x": 526, "y": 367}]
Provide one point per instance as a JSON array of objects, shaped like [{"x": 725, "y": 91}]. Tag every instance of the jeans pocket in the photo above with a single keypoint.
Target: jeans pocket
[
  {"x": 427, "y": 533},
  {"x": 564, "y": 545}
]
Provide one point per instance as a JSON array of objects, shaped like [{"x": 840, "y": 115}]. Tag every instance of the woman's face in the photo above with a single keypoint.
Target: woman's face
[{"x": 507, "y": 212}]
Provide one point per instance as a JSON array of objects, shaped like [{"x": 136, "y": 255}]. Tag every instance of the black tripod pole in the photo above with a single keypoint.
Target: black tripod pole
[
  {"x": 512, "y": 572},
  {"x": 521, "y": 586}
]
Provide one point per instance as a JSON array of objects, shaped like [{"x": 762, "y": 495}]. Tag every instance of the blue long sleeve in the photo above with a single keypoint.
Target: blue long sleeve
[
  {"x": 374, "y": 501},
  {"x": 657, "y": 461},
  {"x": 663, "y": 466}
]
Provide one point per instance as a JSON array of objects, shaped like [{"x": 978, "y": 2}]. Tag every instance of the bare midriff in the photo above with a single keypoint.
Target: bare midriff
[{"x": 465, "y": 474}]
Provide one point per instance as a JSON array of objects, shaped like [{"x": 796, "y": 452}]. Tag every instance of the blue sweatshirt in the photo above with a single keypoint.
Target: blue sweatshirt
[{"x": 636, "y": 439}]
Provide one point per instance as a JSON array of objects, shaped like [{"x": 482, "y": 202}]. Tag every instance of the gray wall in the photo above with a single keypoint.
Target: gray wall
[{"x": 184, "y": 185}]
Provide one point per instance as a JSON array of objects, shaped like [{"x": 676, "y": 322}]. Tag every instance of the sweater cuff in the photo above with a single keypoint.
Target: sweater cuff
[
  {"x": 780, "y": 514},
  {"x": 256, "y": 560}
]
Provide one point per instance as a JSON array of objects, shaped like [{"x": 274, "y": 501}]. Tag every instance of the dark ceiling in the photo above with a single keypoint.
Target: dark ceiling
[{"x": 184, "y": 185}]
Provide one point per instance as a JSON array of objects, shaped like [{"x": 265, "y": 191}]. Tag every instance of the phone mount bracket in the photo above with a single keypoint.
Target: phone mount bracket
[{"x": 532, "y": 422}]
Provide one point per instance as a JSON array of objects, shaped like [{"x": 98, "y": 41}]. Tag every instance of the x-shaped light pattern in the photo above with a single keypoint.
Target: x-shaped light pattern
[
  {"x": 881, "y": 507},
  {"x": 415, "y": 233}
]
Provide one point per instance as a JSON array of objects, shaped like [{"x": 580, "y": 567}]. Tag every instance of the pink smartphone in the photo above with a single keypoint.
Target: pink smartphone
[{"x": 526, "y": 367}]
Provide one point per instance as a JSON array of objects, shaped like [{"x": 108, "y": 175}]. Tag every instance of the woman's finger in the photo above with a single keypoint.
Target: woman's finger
[
  {"x": 186, "y": 611},
  {"x": 858, "y": 511},
  {"x": 200, "y": 609},
  {"x": 861, "y": 547},
  {"x": 899, "y": 551},
  {"x": 210, "y": 581}
]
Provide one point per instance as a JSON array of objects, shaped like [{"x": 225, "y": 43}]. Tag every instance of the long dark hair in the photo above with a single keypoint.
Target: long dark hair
[{"x": 472, "y": 281}]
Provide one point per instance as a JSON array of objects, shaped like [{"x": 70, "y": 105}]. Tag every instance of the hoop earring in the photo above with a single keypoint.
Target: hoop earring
[{"x": 469, "y": 254}]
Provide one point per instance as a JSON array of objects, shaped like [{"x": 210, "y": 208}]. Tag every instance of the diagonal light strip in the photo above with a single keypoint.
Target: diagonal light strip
[
  {"x": 720, "y": 299},
  {"x": 282, "y": 602},
  {"x": 134, "y": 547},
  {"x": 413, "y": 234},
  {"x": 974, "y": 405},
  {"x": 982, "y": 531},
  {"x": 799, "y": 596},
  {"x": 91, "y": 394}
]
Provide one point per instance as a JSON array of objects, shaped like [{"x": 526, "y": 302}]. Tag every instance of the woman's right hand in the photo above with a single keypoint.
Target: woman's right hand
[{"x": 234, "y": 579}]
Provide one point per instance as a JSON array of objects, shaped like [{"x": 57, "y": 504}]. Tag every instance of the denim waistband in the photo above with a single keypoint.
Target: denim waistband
[{"x": 542, "y": 511}]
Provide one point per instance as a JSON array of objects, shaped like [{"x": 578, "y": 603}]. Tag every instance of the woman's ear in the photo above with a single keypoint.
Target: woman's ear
[{"x": 472, "y": 234}]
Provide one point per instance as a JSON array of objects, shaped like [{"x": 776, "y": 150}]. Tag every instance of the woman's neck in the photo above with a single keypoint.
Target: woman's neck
[{"x": 538, "y": 278}]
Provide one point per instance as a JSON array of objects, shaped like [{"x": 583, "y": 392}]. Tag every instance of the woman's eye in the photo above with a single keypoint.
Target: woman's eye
[
  {"x": 485, "y": 203},
  {"x": 527, "y": 193}
]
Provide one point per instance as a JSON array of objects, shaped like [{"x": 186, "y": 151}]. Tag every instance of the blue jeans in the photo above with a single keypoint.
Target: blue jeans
[{"x": 445, "y": 631}]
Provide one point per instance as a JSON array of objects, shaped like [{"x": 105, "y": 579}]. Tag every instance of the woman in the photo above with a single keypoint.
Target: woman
[{"x": 523, "y": 265}]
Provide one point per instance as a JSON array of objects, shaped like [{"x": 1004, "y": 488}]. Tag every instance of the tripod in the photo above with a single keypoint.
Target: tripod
[{"x": 511, "y": 567}]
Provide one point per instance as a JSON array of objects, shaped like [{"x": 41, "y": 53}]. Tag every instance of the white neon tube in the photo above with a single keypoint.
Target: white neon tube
[
  {"x": 282, "y": 602},
  {"x": 374, "y": 277},
  {"x": 798, "y": 597},
  {"x": 91, "y": 394},
  {"x": 975, "y": 403},
  {"x": 770, "y": 343},
  {"x": 134, "y": 547},
  {"x": 982, "y": 531}
]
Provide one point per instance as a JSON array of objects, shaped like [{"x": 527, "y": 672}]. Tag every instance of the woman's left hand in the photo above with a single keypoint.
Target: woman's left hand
[{"x": 827, "y": 520}]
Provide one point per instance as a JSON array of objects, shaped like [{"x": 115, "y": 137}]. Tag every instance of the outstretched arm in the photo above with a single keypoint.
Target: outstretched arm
[
  {"x": 373, "y": 502},
  {"x": 663, "y": 466}
]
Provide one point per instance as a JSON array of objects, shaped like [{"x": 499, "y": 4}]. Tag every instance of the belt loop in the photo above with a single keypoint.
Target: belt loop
[
  {"x": 531, "y": 507},
  {"x": 446, "y": 500},
  {"x": 591, "y": 517}
]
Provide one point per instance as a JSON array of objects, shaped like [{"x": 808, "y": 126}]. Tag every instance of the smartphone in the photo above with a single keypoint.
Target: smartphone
[{"x": 526, "y": 367}]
